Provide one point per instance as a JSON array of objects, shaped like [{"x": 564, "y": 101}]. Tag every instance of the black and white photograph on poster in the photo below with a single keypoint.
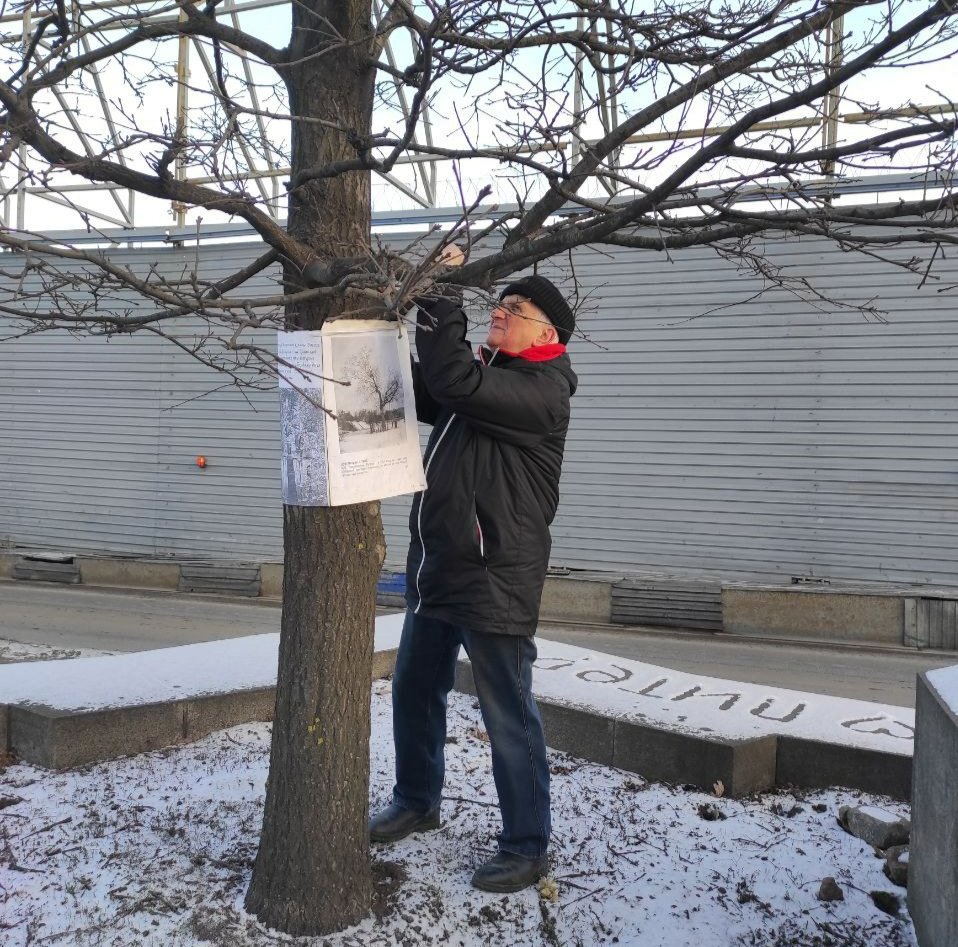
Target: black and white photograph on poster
[
  {"x": 370, "y": 410},
  {"x": 348, "y": 414},
  {"x": 305, "y": 460},
  {"x": 305, "y": 466}
]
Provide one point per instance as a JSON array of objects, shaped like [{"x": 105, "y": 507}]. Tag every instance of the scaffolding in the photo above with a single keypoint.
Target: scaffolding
[{"x": 110, "y": 206}]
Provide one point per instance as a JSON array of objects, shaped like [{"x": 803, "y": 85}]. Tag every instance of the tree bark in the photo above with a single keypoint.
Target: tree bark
[{"x": 312, "y": 871}]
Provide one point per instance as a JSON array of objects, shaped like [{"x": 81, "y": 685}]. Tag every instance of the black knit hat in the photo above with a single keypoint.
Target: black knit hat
[{"x": 548, "y": 298}]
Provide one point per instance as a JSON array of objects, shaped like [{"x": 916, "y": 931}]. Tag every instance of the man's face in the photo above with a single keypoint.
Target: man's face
[{"x": 515, "y": 324}]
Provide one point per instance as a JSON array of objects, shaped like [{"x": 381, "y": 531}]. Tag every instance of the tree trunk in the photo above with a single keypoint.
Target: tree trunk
[{"x": 312, "y": 872}]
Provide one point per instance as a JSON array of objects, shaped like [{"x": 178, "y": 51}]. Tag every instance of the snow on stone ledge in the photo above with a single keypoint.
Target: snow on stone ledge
[
  {"x": 148, "y": 677},
  {"x": 601, "y": 683},
  {"x": 945, "y": 681},
  {"x": 647, "y": 694}
]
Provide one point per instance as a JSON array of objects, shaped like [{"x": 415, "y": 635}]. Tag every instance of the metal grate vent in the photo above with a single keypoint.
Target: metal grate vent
[
  {"x": 51, "y": 567},
  {"x": 667, "y": 604},
  {"x": 931, "y": 623},
  {"x": 220, "y": 578}
]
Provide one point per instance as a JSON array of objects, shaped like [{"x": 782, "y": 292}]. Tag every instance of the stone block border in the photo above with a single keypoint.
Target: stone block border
[
  {"x": 72, "y": 713},
  {"x": 742, "y": 766},
  {"x": 65, "y": 739},
  {"x": 933, "y": 859},
  {"x": 814, "y": 764}
]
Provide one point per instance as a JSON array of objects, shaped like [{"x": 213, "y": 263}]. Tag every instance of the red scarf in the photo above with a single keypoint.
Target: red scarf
[{"x": 535, "y": 353}]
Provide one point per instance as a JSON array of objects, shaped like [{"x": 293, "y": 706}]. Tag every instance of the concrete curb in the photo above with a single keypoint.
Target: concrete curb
[
  {"x": 831, "y": 614},
  {"x": 873, "y": 615},
  {"x": 59, "y": 739},
  {"x": 129, "y": 573},
  {"x": 743, "y": 766},
  {"x": 62, "y": 739},
  {"x": 813, "y": 764}
]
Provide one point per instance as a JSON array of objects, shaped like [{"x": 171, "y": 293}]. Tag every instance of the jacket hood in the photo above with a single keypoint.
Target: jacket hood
[{"x": 563, "y": 365}]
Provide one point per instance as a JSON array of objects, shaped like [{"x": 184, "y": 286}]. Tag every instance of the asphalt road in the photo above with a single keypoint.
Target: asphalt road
[{"x": 52, "y": 620}]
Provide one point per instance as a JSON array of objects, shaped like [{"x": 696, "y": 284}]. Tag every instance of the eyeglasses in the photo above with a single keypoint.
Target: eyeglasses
[{"x": 511, "y": 304}]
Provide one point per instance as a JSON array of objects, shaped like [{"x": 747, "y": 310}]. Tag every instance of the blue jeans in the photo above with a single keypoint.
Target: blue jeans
[{"x": 502, "y": 670}]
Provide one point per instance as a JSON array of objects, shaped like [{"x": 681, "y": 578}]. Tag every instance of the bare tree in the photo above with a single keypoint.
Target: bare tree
[
  {"x": 655, "y": 126},
  {"x": 384, "y": 385}
]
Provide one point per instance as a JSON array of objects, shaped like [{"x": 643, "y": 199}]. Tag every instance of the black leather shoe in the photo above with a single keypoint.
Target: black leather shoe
[
  {"x": 395, "y": 822},
  {"x": 506, "y": 872}
]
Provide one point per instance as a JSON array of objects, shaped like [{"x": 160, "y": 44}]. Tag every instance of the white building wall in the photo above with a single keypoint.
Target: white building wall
[{"x": 716, "y": 432}]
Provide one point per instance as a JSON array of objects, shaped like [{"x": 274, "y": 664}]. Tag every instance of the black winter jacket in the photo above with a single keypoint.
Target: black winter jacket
[{"x": 480, "y": 538}]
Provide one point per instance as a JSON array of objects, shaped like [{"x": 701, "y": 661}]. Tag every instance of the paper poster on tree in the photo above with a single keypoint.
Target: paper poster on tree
[{"x": 348, "y": 414}]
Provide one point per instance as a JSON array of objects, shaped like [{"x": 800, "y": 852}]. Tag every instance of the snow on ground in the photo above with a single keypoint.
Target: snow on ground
[
  {"x": 366, "y": 440},
  {"x": 157, "y": 850},
  {"x": 880, "y": 815}
]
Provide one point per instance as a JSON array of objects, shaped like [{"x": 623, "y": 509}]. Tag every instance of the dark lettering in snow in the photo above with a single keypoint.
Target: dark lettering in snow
[
  {"x": 601, "y": 676},
  {"x": 733, "y": 699},
  {"x": 857, "y": 726},
  {"x": 777, "y": 709},
  {"x": 558, "y": 664},
  {"x": 647, "y": 690},
  {"x": 793, "y": 714}
]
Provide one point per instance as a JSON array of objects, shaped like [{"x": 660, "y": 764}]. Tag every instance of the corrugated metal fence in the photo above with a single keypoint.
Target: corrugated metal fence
[{"x": 716, "y": 433}]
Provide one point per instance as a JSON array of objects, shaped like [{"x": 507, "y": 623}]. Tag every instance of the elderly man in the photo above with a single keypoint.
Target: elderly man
[{"x": 477, "y": 562}]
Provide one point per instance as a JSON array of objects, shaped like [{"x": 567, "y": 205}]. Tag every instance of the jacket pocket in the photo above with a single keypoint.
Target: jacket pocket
[
  {"x": 489, "y": 536},
  {"x": 480, "y": 533}
]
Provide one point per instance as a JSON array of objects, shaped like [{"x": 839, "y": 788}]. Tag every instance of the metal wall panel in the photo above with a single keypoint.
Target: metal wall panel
[
  {"x": 232, "y": 509},
  {"x": 99, "y": 439},
  {"x": 718, "y": 432},
  {"x": 768, "y": 438},
  {"x": 79, "y": 442}
]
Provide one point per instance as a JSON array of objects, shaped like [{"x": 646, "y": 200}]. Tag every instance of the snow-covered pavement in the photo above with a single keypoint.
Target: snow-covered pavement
[{"x": 157, "y": 850}]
